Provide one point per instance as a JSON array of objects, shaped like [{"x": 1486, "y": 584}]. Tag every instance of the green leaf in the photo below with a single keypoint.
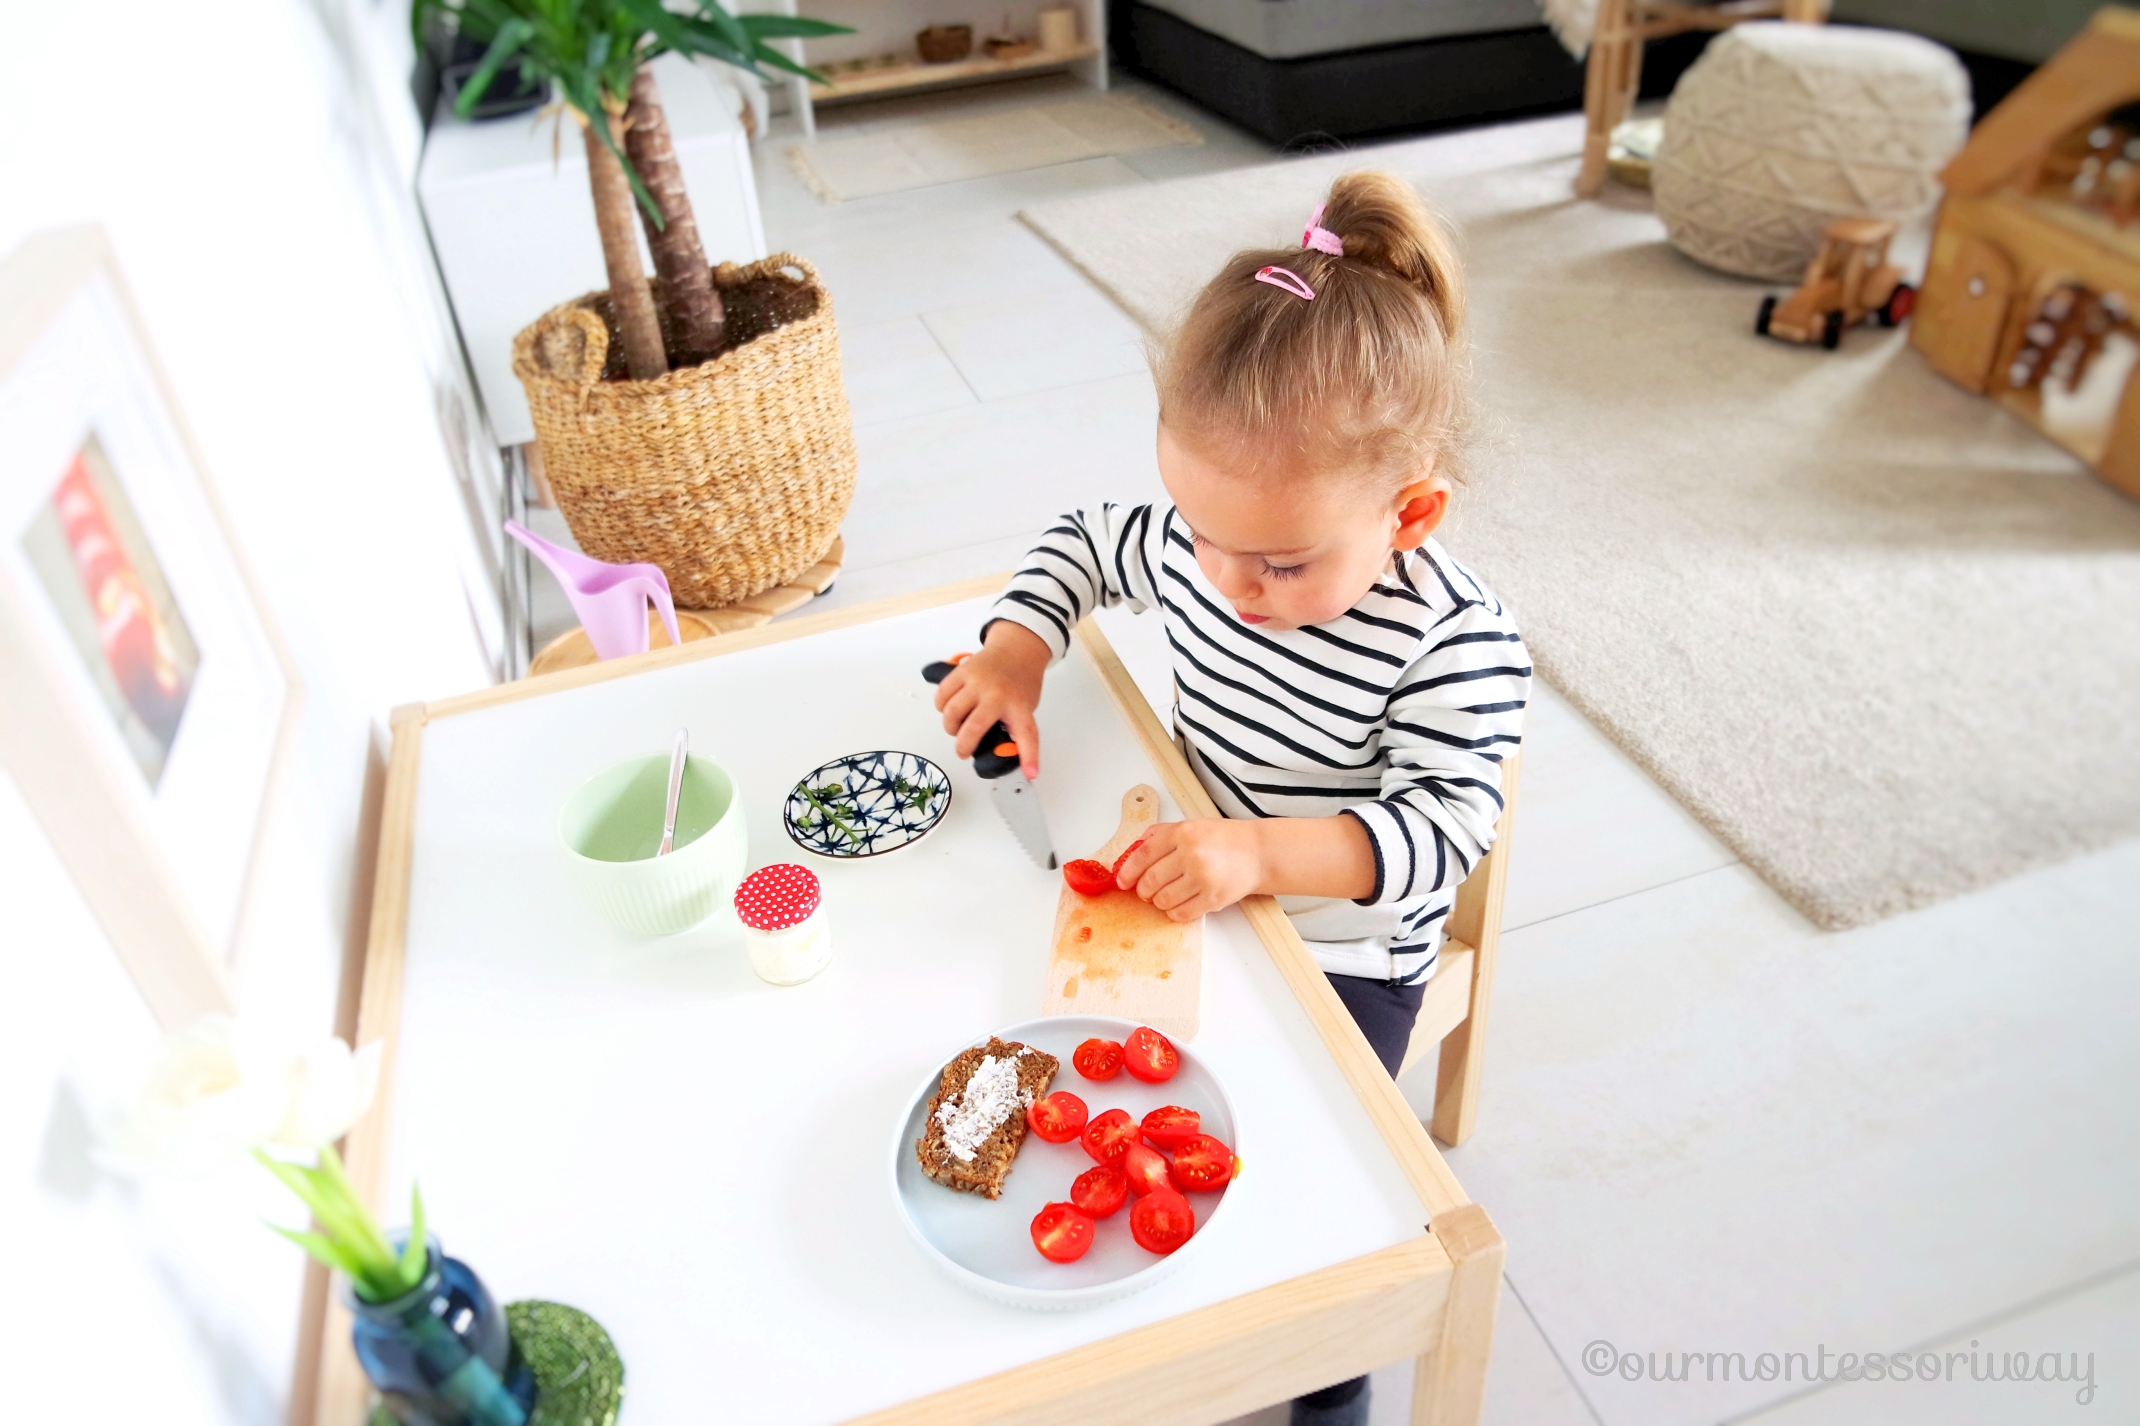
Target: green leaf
[
  {"x": 511, "y": 36},
  {"x": 725, "y": 24},
  {"x": 333, "y": 1254},
  {"x": 778, "y": 60},
  {"x": 416, "y": 1253},
  {"x": 789, "y": 27}
]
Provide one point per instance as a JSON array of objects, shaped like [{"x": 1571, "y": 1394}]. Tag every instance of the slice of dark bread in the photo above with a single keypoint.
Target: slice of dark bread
[{"x": 990, "y": 1163}]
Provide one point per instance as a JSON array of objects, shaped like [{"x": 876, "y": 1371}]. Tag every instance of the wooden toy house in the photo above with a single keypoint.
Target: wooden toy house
[{"x": 2035, "y": 267}]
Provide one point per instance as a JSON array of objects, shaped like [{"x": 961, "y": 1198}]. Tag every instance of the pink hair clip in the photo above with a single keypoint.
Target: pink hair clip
[
  {"x": 1288, "y": 280},
  {"x": 1321, "y": 238}
]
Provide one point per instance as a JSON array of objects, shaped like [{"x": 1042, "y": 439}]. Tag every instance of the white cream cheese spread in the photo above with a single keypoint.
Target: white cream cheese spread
[{"x": 991, "y": 1096}]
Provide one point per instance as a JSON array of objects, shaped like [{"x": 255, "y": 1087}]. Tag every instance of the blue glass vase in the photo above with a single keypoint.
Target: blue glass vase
[{"x": 438, "y": 1353}]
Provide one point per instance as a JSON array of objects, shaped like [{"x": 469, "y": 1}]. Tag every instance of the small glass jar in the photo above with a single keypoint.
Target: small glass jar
[
  {"x": 784, "y": 927},
  {"x": 438, "y": 1353}
]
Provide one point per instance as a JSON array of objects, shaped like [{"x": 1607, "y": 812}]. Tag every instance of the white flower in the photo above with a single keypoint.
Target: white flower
[
  {"x": 330, "y": 1088},
  {"x": 213, "y": 1094}
]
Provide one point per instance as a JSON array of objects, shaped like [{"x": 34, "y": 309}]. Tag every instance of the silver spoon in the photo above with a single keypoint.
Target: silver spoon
[{"x": 677, "y": 755}]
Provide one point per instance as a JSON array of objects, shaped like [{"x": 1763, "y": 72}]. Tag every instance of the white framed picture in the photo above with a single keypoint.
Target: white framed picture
[{"x": 150, "y": 703}]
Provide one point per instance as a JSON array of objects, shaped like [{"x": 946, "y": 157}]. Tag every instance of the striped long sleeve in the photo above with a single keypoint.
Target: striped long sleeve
[{"x": 1399, "y": 713}]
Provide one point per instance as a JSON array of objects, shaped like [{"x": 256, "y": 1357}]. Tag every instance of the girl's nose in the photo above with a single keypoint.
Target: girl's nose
[{"x": 1233, "y": 583}]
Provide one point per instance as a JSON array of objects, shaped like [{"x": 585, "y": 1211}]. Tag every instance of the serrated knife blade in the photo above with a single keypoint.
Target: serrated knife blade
[{"x": 1018, "y": 801}]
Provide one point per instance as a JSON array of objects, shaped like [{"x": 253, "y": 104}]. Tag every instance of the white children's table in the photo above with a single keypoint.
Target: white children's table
[{"x": 646, "y": 1131}]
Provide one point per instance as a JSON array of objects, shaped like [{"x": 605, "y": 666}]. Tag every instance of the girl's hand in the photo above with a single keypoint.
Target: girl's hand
[
  {"x": 1191, "y": 869},
  {"x": 1001, "y": 683}
]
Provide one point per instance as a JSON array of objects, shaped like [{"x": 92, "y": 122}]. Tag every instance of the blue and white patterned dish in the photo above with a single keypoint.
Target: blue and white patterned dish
[{"x": 866, "y": 804}]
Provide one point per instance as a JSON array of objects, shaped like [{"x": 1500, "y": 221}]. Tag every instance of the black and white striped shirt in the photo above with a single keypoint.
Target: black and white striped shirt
[{"x": 1398, "y": 712}]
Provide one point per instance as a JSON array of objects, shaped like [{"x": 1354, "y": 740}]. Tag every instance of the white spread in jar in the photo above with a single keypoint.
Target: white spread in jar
[
  {"x": 990, "y": 1097},
  {"x": 784, "y": 923}
]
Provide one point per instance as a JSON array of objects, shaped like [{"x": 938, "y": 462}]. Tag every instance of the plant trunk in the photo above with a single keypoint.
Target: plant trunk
[
  {"x": 679, "y": 257},
  {"x": 630, "y": 300}
]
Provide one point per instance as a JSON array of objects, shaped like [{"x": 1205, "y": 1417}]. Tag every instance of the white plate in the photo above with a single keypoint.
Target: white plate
[{"x": 987, "y": 1246}]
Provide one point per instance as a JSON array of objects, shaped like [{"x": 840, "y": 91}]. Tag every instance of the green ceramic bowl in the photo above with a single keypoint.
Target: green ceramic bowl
[{"x": 611, "y": 828}]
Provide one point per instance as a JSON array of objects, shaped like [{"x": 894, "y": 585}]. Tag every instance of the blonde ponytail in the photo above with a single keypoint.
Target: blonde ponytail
[{"x": 1367, "y": 379}]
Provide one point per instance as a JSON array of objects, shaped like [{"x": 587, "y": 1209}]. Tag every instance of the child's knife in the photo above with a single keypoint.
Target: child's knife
[{"x": 1015, "y": 797}]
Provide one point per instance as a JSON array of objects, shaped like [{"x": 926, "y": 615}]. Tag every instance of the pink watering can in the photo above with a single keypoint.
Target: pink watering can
[{"x": 610, "y": 599}]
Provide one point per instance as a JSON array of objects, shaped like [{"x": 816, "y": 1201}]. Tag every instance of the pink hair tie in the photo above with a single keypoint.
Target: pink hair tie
[
  {"x": 1321, "y": 238},
  {"x": 1287, "y": 280}
]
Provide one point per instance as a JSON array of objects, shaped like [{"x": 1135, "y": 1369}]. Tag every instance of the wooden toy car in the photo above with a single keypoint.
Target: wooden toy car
[{"x": 1848, "y": 280}]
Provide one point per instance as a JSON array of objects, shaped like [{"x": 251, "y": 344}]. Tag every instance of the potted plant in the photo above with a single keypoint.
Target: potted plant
[{"x": 696, "y": 420}]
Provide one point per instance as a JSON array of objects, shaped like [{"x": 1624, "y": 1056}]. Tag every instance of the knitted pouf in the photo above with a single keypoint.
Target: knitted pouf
[{"x": 1779, "y": 129}]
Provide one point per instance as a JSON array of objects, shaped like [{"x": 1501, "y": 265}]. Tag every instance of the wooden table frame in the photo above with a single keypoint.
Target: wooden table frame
[{"x": 1433, "y": 1298}]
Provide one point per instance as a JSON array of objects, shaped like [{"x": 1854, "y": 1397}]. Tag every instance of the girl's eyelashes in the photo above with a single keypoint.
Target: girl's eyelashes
[{"x": 1272, "y": 571}]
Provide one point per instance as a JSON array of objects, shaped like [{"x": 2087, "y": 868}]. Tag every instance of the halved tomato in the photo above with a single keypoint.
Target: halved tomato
[
  {"x": 1117, "y": 868},
  {"x": 1147, "y": 1169},
  {"x": 1109, "y": 1136},
  {"x": 1162, "y": 1221},
  {"x": 1059, "y": 1118},
  {"x": 1098, "y": 1059},
  {"x": 1166, "y": 1126},
  {"x": 1100, "y": 1190},
  {"x": 1062, "y": 1232},
  {"x": 1202, "y": 1164},
  {"x": 1150, "y": 1056},
  {"x": 1087, "y": 877}
]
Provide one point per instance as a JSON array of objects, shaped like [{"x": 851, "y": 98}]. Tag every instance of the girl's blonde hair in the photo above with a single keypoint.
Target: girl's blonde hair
[{"x": 1368, "y": 379}]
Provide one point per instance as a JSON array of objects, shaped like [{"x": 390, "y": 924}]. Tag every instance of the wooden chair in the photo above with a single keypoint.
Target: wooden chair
[
  {"x": 1613, "y": 73},
  {"x": 1453, "y": 1015}
]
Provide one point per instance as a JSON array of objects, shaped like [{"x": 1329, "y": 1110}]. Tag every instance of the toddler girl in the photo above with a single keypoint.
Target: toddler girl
[{"x": 1344, "y": 689}]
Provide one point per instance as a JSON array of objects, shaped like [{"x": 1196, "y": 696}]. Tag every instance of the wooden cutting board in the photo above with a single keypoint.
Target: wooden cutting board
[{"x": 1116, "y": 955}]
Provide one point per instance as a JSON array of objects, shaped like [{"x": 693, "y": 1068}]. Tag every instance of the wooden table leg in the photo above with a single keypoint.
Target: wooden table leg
[
  {"x": 1611, "y": 75},
  {"x": 1449, "y": 1387},
  {"x": 1476, "y": 921}
]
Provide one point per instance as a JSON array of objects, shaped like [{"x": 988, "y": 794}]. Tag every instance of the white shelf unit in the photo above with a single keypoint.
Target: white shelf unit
[{"x": 889, "y": 26}]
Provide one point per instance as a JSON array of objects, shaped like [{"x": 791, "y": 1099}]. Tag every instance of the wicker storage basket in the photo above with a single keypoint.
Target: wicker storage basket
[{"x": 732, "y": 475}]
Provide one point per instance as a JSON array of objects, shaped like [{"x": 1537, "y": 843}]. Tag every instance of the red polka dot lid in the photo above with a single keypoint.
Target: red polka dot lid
[{"x": 773, "y": 898}]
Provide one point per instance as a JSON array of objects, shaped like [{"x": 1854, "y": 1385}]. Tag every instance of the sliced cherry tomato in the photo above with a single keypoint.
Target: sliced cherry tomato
[
  {"x": 1087, "y": 877},
  {"x": 1062, "y": 1232},
  {"x": 1150, "y": 1056},
  {"x": 1098, "y": 1059},
  {"x": 1162, "y": 1221},
  {"x": 1202, "y": 1164},
  {"x": 1059, "y": 1118},
  {"x": 1117, "y": 871},
  {"x": 1109, "y": 1136},
  {"x": 1147, "y": 1169},
  {"x": 1167, "y": 1126},
  {"x": 1100, "y": 1190}
]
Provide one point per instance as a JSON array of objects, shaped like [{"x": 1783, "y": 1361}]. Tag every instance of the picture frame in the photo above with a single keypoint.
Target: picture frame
[{"x": 152, "y": 705}]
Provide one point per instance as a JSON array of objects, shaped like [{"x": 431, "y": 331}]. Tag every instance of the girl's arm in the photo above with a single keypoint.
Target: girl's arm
[
  {"x": 1457, "y": 711},
  {"x": 1086, "y": 560},
  {"x": 1189, "y": 869}
]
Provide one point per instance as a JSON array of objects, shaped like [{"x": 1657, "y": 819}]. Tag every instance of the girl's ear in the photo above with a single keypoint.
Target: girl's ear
[{"x": 1420, "y": 507}]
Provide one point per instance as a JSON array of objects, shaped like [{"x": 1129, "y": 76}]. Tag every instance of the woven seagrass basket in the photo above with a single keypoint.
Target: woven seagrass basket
[{"x": 732, "y": 475}]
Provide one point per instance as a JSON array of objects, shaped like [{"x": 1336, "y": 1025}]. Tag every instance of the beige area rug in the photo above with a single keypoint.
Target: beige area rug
[
  {"x": 974, "y": 146},
  {"x": 1878, "y": 635}
]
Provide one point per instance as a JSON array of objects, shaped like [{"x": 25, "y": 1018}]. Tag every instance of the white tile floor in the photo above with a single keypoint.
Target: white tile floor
[{"x": 1706, "y": 1127}]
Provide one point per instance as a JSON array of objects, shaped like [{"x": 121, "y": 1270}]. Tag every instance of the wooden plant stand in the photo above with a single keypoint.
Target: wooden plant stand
[{"x": 572, "y": 650}]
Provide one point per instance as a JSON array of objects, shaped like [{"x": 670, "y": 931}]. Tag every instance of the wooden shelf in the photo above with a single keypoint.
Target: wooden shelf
[{"x": 917, "y": 75}]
